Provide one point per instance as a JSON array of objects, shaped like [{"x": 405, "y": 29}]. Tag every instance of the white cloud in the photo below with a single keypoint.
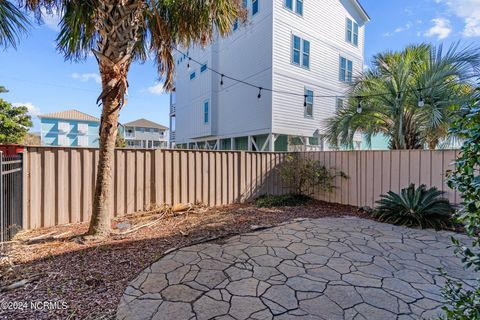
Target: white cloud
[
  {"x": 409, "y": 25},
  {"x": 469, "y": 11},
  {"x": 85, "y": 77},
  {"x": 441, "y": 28},
  {"x": 51, "y": 20},
  {"x": 33, "y": 110},
  {"x": 156, "y": 89}
]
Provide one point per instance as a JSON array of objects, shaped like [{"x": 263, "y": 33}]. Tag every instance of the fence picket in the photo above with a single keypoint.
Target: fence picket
[{"x": 143, "y": 178}]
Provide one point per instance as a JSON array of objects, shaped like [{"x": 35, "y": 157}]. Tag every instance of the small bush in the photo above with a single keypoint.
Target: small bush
[
  {"x": 302, "y": 175},
  {"x": 415, "y": 207},
  {"x": 286, "y": 200}
]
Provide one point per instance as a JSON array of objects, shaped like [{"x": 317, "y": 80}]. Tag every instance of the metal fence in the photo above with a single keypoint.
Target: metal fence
[
  {"x": 11, "y": 185},
  {"x": 59, "y": 183}
]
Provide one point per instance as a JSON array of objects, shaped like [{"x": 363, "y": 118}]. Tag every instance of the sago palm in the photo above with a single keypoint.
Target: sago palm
[
  {"x": 415, "y": 207},
  {"x": 119, "y": 32},
  {"x": 391, "y": 90}
]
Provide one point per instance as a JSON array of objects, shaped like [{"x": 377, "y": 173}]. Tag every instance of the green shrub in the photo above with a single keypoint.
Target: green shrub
[
  {"x": 302, "y": 175},
  {"x": 464, "y": 303},
  {"x": 415, "y": 207},
  {"x": 286, "y": 200}
]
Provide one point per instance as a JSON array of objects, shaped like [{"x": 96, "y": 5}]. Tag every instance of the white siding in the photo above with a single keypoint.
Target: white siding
[
  {"x": 324, "y": 26},
  {"x": 260, "y": 53}
]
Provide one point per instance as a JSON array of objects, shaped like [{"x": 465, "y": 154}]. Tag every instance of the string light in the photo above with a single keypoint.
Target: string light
[
  {"x": 421, "y": 101},
  {"x": 359, "y": 107}
]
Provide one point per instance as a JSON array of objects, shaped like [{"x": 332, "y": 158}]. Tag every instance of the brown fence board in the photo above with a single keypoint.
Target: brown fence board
[{"x": 60, "y": 182}]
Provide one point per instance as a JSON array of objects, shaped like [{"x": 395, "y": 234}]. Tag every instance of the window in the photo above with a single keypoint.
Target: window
[
  {"x": 245, "y": 3},
  {"x": 203, "y": 68},
  {"x": 351, "y": 34},
  {"x": 306, "y": 54},
  {"x": 254, "y": 7},
  {"x": 308, "y": 112},
  {"x": 300, "y": 52},
  {"x": 172, "y": 123},
  {"x": 82, "y": 141},
  {"x": 299, "y": 7},
  {"x": 289, "y": 4},
  {"x": 339, "y": 104},
  {"x": 63, "y": 140},
  {"x": 355, "y": 34},
  {"x": 193, "y": 75},
  {"x": 346, "y": 70},
  {"x": 205, "y": 112},
  {"x": 83, "y": 128},
  {"x": 63, "y": 127},
  {"x": 296, "y": 50}
]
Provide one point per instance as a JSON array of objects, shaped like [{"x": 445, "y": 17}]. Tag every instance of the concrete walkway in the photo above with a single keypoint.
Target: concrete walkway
[{"x": 336, "y": 268}]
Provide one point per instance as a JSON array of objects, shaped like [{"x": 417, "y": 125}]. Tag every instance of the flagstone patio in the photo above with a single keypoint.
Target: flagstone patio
[{"x": 333, "y": 268}]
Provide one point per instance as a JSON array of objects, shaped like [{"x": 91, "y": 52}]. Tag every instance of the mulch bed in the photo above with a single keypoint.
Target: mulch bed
[{"x": 86, "y": 279}]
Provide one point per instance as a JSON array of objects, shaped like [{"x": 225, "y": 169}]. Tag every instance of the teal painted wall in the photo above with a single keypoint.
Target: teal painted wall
[
  {"x": 379, "y": 142},
  {"x": 49, "y": 132}
]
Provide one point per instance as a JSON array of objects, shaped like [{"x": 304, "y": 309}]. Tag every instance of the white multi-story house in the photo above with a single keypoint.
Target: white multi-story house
[
  {"x": 145, "y": 134},
  {"x": 301, "y": 49}
]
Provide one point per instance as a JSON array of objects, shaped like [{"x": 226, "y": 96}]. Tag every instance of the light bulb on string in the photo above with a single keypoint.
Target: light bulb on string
[
  {"x": 188, "y": 64},
  {"x": 421, "y": 102},
  {"x": 221, "y": 80},
  {"x": 359, "y": 106},
  {"x": 259, "y": 93}
]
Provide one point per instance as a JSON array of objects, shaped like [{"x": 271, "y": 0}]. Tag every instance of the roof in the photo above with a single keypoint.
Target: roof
[
  {"x": 70, "y": 115},
  {"x": 144, "y": 123},
  {"x": 361, "y": 9}
]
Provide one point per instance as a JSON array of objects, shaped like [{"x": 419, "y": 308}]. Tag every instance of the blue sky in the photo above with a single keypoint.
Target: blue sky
[{"x": 37, "y": 75}]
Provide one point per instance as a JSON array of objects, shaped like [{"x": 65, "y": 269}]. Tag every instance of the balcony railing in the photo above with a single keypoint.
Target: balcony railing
[
  {"x": 173, "y": 109},
  {"x": 172, "y": 136}
]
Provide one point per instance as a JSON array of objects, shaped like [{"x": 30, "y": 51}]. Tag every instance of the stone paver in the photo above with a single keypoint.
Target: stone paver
[{"x": 335, "y": 268}]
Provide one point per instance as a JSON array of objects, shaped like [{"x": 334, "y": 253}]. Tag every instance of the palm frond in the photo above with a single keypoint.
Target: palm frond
[
  {"x": 395, "y": 83},
  {"x": 13, "y": 23}
]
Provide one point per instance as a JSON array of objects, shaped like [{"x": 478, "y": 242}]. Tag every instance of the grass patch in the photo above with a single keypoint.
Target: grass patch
[{"x": 286, "y": 200}]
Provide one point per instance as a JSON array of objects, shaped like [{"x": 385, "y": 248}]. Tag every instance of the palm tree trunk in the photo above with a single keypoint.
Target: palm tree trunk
[
  {"x": 100, "y": 224},
  {"x": 119, "y": 28}
]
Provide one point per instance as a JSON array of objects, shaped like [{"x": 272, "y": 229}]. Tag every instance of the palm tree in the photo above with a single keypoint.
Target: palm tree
[
  {"x": 409, "y": 96},
  {"x": 119, "y": 32},
  {"x": 12, "y": 24}
]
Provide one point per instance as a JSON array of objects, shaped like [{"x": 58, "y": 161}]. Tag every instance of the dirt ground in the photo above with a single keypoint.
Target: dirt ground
[{"x": 81, "y": 279}]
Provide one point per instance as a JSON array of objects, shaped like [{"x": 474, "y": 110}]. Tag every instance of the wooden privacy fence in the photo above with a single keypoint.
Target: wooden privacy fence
[{"x": 59, "y": 182}]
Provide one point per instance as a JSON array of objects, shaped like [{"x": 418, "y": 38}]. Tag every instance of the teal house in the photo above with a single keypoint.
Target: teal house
[{"x": 70, "y": 128}]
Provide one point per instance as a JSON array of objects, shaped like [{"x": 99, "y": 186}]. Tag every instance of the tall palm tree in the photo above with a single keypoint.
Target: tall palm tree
[
  {"x": 409, "y": 96},
  {"x": 119, "y": 32}
]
